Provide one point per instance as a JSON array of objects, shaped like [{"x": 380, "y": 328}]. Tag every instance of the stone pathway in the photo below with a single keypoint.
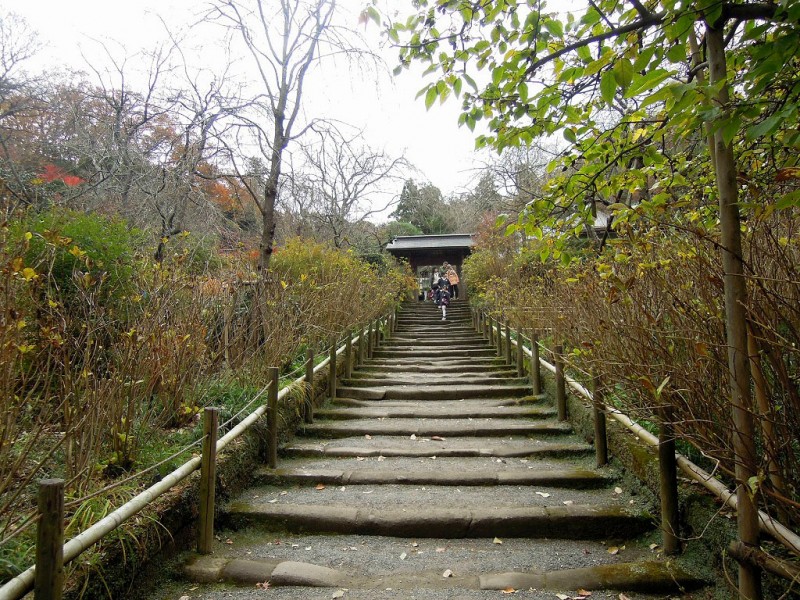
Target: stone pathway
[{"x": 436, "y": 474}]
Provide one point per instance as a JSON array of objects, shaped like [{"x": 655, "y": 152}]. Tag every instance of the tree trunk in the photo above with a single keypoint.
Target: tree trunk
[{"x": 735, "y": 321}]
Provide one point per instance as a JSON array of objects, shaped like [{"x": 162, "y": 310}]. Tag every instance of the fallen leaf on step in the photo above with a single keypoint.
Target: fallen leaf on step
[
  {"x": 543, "y": 494},
  {"x": 447, "y": 573},
  {"x": 229, "y": 541},
  {"x": 368, "y": 436},
  {"x": 653, "y": 546},
  {"x": 359, "y": 458},
  {"x": 414, "y": 545},
  {"x": 320, "y": 486},
  {"x": 413, "y": 436},
  {"x": 283, "y": 493},
  {"x": 437, "y": 438},
  {"x": 568, "y": 502},
  {"x": 615, "y": 549},
  {"x": 440, "y": 549},
  {"x": 617, "y": 490},
  {"x": 341, "y": 489},
  {"x": 562, "y": 597},
  {"x": 273, "y": 501},
  {"x": 338, "y": 594},
  {"x": 623, "y": 597},
  {"x": 403, "y": 556},
  {"x": 264, "y": 585},
  {"x": 509, "y": 590},
  {"x": 184, "y": 598},
  {"x": 497, "y": 541},
  {"x": 367, "y": 492},
  {"x": 584, "y": 593},
  {"x": 381, "y": 458}
]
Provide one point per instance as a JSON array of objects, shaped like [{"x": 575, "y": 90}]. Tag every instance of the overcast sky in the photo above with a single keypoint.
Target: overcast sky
[{"x": 385, "y": 107}]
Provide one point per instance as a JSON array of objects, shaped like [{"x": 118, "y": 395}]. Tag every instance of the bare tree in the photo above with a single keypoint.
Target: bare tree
[
  {"x": 343, "y": 183},
  {"x": 283, "y": 38}
]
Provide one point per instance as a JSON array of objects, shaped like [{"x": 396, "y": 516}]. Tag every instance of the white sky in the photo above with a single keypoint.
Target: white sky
[{"x": 383, "y": 106}]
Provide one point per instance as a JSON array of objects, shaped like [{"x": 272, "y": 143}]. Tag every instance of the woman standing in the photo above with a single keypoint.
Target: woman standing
[{"x": 452, "y": 279}]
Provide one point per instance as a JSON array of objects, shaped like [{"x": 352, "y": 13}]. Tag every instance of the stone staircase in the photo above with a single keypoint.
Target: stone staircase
[{"x": 435, "y": 473}]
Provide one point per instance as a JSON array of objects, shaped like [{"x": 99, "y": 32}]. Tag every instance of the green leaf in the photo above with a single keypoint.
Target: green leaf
[
  {"x": 554, "y": 27},
  {"x": 623, "y": 72},
  {"x": 644, "y": 83},
  {"x": 608, "y": 87},
  {"x": 677, "y": 54},
  {"x": 430, "y": 96},
  {"x": 766, "y": 127},
  {"x": 569, "y": 135}
]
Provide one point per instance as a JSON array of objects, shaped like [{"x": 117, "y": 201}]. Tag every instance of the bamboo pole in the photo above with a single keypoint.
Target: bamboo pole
[
  {"x": 272, "y": 417},
  {"x": 668, "y": 482},
  {"x": 308, "y": 408},
  {"x": 561, "y": 391},
  {"x": 208, "y": 476},
  {"x": 49, "y": 580}
]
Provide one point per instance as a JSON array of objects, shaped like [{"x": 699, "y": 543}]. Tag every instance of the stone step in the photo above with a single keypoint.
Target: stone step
[
  {"x": 422, "y": 520},
  {"x": 423, "y": 447},
  {"x": 433, "y": 393},
  {"x": 386, "y": 370},
  {"x": 432, "y": 353},
  {"x": 426, "y": 411},
  {"x": 451, "y": 406},
  {"x": 565, "y": 478},
  {"x": 387, "y": 568},
  {"x": 434, "y": 427},
  {"x": 434, "y": 381}
]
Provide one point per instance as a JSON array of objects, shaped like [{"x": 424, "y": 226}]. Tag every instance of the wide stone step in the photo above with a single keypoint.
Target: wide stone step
[
  {"x": 426, "y": 344},
  {"x": 435, "y": 382},
  {"x": 434, "y": 427},
  {"x": 449, "y": 406},
  {"x": 576, "y": 521},
  {"x": 423, "y": 447},
  {"x": 434, "y": 392},
  {"x": 434, "y": 362},
  {"x": 426, "y": 411},
  {"x": 387, "y": 370},
  {"x": 432, "y": 353},
  {"x": 569, "y": 478}
]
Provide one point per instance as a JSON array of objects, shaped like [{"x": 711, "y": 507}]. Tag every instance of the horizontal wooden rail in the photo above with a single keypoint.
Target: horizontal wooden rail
[{"x": 23, "y": 583}]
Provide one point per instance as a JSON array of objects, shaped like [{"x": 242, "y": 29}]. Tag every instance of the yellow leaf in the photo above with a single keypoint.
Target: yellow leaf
[
  {"x": 29, "y": 274},
  {"x": 28, "y": 236},
  {"x": 509, "y": 590},
  {"x": 17, "y": 264},
  {"x": 613, "y": 550},
  {"x": 284, "y": 285}
]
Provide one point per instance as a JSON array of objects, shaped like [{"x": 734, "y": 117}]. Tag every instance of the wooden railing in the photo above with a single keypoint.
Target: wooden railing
[
  {"x": 46, "y": 577},
  {"x": 669, "y": 460}
]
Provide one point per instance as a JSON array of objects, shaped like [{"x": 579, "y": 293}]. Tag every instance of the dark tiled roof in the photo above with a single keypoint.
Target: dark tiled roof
[{"x": 425, "y": 242}]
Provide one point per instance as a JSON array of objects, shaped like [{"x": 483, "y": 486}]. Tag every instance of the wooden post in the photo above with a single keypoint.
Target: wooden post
[
  {"x": 668, "y": 482},
  {"x": 499, "y": 338},
  {"x": 508, "y": 343},
  {"x": 49, "y": 575},
  {"x": 348, "y": 349},
  {"x": 332, "y": 372},
  {"x": 377, "y": 334},
  {"x": 490, "y": 327},
  {"x": 536, "y": 368},
  {"x": 485, "y": 325},
  {"x": 369, "y": 340},
  {"x": 520, "y": 356},
  {"x": 308, "y": 409},
  {"x": 360, "y": 348},
  {"x": 561, "y": 387},
  {"x": 600, "y": 434},
  {"x": 208, "y": 478},
  {"x": 272, "y": 417}
]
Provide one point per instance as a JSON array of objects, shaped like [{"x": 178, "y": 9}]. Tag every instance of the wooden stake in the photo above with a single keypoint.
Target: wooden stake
[
  {"x": 561, "y": 388},
  {"x": 49, "y": 575},
  {"x": 499, "y": 338},
  {"x": 490, "y": 327},
  {"x": 600, "y": 434},
  {"x": 508, "y": 343},
  {"x": 369, "y": 340},
  {"x": 536, "y": 368},
  {"x": 668, "y": 482},
  {"x": 520, "y": 356},
  {"x": 208, "y": 478},
  {"x": 332, "y": 372},
  {"x": 308, "y": 409},
  {"x": 360, "y": 349},
  {"x": 348, "y": 349},
  {"x": 272, "y": 417}
]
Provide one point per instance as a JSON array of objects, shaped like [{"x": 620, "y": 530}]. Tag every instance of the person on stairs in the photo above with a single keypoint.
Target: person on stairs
[
  {"x": 443, "y": 296},
  {"x": 452, "y": 278}
]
